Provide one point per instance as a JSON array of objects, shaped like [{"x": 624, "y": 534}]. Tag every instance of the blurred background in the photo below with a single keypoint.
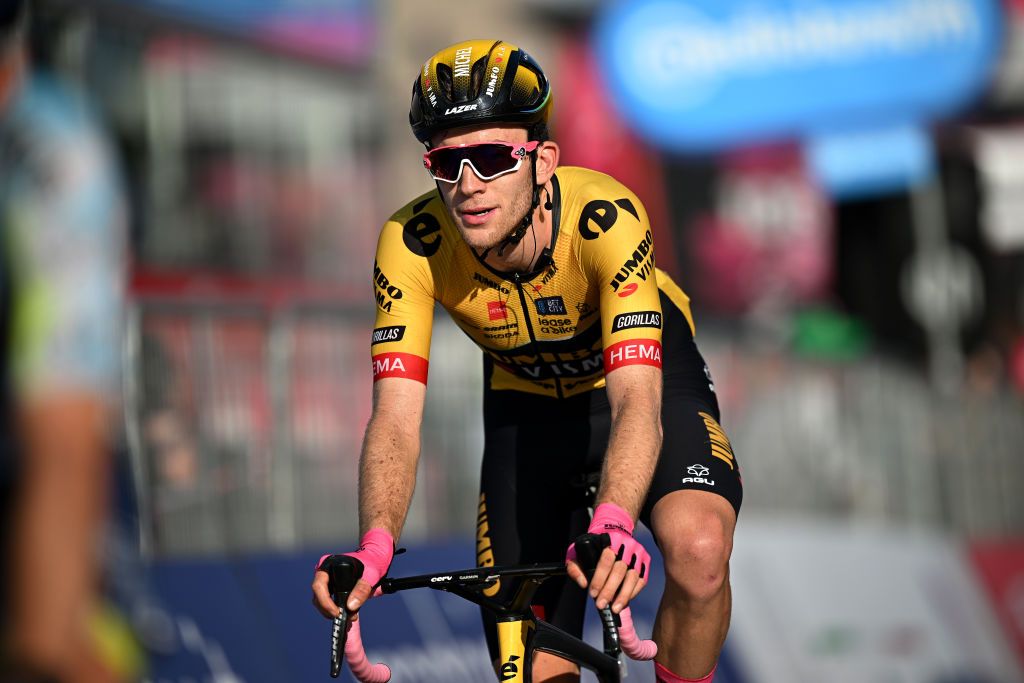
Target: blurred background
[{"x": 837, "y": 184}]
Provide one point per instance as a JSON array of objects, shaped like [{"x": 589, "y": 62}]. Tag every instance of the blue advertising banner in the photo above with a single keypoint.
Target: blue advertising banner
[
  {"x": 703, "y": 75},
  {"x": 337, "y": 30},
  {"x": 862, "y": 163}
]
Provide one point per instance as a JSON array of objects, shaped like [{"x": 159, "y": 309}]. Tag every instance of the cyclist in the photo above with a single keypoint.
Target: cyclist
[
  {"x": 61, "y": 229},
  {"x": 589, "y": 362}
]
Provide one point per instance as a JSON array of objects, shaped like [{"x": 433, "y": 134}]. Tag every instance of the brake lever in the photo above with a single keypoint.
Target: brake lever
[
  {"x": 343, "y": 572},
  {"x": 339, "y": 632},
  {"x": 588, "y": 553}
]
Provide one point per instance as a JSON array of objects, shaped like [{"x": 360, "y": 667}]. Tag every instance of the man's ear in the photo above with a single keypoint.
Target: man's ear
[{"x": 548, "y": 153}]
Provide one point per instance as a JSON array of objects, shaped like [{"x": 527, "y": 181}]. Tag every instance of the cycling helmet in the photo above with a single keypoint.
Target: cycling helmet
[{"x": 478, "y": 81}]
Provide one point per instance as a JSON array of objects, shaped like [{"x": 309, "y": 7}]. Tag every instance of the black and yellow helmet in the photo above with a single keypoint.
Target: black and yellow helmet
[{"x": 478, "y": 81}]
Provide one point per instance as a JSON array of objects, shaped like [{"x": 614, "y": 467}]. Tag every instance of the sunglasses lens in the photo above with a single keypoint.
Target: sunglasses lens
[
  {"x": 492, "y": 159},
  {"x": 445, "y": 163},
  {"x": 489, "y": 159}
]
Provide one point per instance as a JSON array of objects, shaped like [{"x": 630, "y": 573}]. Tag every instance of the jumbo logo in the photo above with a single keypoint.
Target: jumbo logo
[
  {"x": 704, "y": 74},
  {"x": 484, "y": 553},
  {"x": 640, "y": 262},
  {"x": 385, "y": 292}
]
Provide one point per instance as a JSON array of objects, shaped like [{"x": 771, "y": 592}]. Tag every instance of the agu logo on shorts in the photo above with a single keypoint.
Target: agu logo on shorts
[{"x": 698, "y": 475}]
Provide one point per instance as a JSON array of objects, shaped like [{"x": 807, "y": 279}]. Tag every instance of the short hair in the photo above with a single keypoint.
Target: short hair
[{"x": 538, "y": 131}]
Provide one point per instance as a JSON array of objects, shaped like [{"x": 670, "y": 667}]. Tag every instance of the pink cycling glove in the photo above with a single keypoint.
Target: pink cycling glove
[
  {"x": 610, "y": 519},
  {"x": 376, "y": 549}
]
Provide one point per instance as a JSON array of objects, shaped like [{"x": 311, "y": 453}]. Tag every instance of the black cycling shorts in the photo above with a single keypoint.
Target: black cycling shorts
[{"x": 542, "y": 460}]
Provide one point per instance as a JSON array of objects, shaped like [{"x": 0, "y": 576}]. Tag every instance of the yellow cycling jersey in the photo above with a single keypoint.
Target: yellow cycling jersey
[{"x": 590, "y": 308}]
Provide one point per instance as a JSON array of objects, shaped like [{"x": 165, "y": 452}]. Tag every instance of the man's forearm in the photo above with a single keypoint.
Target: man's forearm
[
  {"x": 60, "y": 512},
  {"x": 387, "y": 475},
  {"x": 633, "y": 449}
]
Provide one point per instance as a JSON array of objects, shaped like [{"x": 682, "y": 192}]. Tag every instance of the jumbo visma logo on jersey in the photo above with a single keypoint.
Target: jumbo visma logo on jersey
[
  {"x": 598, "y": 217},
  {"x": 640, "y": 262},
  {"x": 576, "y": 358},
  {"x": 384, "y": 292}
]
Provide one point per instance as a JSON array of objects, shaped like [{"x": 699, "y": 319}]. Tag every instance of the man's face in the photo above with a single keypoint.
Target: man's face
[{"x": 487, "y": 211}]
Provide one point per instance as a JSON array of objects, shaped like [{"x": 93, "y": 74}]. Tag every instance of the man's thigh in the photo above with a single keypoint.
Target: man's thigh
[{"x": 696, "y": 455}]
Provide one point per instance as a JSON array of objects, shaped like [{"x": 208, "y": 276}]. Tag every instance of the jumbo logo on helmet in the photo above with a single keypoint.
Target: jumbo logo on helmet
[{"x": 493, "y": 82}]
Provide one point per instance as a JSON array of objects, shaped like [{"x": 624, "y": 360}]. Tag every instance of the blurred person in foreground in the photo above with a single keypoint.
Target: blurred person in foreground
[
  {"x": 61, "y": 228},
  {"x": 550, "y": 270}
]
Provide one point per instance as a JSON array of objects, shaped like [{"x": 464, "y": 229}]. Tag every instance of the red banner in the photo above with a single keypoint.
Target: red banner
[{"x": 1000, "y": 565}]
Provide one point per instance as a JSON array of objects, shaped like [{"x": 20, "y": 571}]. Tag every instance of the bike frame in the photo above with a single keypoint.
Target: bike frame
[{"x": 520, "y": 632}]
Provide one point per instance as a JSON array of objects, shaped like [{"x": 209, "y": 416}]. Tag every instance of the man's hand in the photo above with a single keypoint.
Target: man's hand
[
  {"x": 376, "y": 549},
  {"x": 622, "y": 570}
]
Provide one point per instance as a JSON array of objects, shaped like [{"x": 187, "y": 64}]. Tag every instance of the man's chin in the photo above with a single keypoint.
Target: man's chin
[{"x": 482, "y": 238}]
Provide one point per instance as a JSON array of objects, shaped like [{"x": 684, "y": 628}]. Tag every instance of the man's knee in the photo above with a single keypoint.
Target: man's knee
[
  {"x": 695, "y": 539},
  {"x": 548, "y": 668}
]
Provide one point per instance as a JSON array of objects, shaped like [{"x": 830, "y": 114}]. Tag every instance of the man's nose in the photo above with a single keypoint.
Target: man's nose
[{"x": 470, "y": 182}]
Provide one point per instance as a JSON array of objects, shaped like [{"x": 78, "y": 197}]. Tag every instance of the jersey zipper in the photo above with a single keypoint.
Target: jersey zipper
[{"x": 529, "y": 329}]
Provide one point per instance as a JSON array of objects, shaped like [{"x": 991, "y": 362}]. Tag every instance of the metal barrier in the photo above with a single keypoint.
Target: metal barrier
[
  {"x": 870, "y": 440},
  {"x": 245, "y": 423}
]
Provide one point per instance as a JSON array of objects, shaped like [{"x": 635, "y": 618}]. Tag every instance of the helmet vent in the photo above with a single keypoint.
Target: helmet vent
[
  {"x": 444, "y": 81},
  {"x": 527, "y": 94},
  {"x": 477, "y": 78}
]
